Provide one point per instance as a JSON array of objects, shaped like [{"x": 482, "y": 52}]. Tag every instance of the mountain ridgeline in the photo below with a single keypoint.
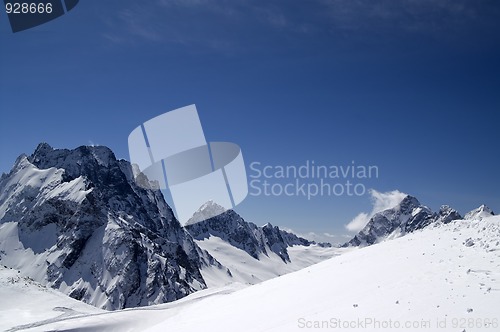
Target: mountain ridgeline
[
  {"x": 408, "y": 216},
  {"x": 94, "y": 234},
  {"x": 255, "y": 240},
  {"x": 76, "y": 220}
]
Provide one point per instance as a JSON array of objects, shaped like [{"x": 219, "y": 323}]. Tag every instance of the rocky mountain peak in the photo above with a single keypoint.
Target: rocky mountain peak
[
  {"x": 206, "y": 211},
  {"x": 408, "y": 204},
  {"x": 255, "y": 240},
  {"x": 85, "y": 219},
  {"x": 408, "y": 216},
  {"x": 479, "y": 213}
]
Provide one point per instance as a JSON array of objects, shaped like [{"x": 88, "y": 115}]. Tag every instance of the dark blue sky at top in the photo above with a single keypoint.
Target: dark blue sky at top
[{"x": 410, "y": 86}]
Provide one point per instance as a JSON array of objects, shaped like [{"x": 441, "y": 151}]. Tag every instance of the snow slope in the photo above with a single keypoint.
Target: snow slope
[
  {"x": 77, "y": 221},
  {"x": 445, "y": 277},
  {"x": 24, "y": 302},
  {"x": 244, "y": 268},
  {"x": 248, "y": 253},
  {"x": 233, "y": 229},
  {"x": 134, "y": 319}
]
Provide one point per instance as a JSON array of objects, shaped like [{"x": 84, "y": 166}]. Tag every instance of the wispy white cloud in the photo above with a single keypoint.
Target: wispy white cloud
[
  {"x": 271, "y": 15},
  {"x": 358, "y": 222},
  {"x": 135, "y": 22},
  {"x": 176, "y": 22},
  {"x": 170, "y": 3},
  {"x": 405, "y": 15},
  {"x": 228, "y": 25},
  {"x": 203, "y": 23},
  {"x": 320, "y": 237},
  {"x": 381, "y": 202}
]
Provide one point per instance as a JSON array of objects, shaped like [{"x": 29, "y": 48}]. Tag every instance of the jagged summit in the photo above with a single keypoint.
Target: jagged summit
[
  {"x": 383, "y": 223},
  {"x": 208, "y": 210},
  {"x": 406, "y": 217},
  {"x": 481, "y": 212},
  {"x": 21, "y": 161},
  {"x": 76, "y": 220},
  {"x": 76, "y": 161},
  {"x": 232, "y": 228},
  {"x": 447, "y": 214},
  {"x": 94, "y": 234},
  {"x": 43, "y": 146},
  {"x": 408, "y": 203}
]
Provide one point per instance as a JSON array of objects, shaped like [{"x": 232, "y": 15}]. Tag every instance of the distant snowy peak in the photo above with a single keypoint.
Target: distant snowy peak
[
  {"x": 480, "y": 213},
  {"x": 293, "y": 240},
  {"x": 206, "y": 211},
  {"x": 407, "y": 217},
  {"x": 383, "y": 223},
  {"x": 446, "y": 215},
  {"x": 408, "y": 205},
  {"x": 77, "y": 221},
  {"x": 233, "y": 229}
]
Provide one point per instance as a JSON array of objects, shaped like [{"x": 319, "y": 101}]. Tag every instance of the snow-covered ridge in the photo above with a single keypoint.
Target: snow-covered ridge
[
  {"x": 75, "y": 220},
  {"x": 478, "y": 214},
  {"x": 250, "y": 253},
  {"x": 440, "y": 278},
  {"x": 28, "y": 181},
  {"x": 408, "y": 216},
  {"x": 232, "y": 228}
]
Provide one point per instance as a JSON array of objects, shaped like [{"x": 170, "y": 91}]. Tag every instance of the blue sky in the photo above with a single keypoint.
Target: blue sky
[{"x": 410, "y": 86}]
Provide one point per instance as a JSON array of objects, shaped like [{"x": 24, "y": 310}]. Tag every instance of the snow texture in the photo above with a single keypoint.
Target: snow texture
[
  {"x": 433, "y": 279},
  {"x": 76, "y": 221}
]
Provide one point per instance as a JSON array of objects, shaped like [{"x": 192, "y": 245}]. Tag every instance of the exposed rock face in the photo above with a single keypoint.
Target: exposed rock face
[
  {"x": 406, "y": 217},
  {"x": 480, "y": 213},
  {"x": 94, "y": 233},
  {"x": 255, "y": 240}
]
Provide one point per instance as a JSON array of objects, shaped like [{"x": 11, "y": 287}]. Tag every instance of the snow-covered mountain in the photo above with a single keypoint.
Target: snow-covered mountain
[
  {"x": 408, "y": 216},
  {"x": 250, "y": 253},
  {"x": 443, "y": 277},
  {"x": 76, "y": 221},
  {"x": 232, "y": 228},
  {"x": 481, "y": 212}
]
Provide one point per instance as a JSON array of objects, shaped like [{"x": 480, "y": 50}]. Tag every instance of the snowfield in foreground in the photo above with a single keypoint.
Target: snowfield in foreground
[
  {"x": 24, "y": 302},
  {"x": 440, "y": 278}
]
